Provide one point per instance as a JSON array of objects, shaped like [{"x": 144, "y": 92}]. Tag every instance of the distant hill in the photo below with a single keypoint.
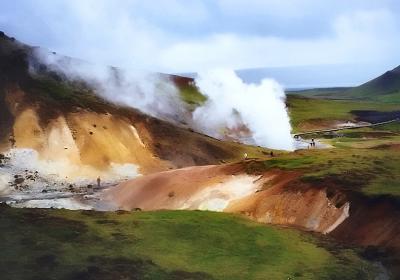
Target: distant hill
[
  {"x": 385, "y": 88},
  {"x": 311, "y": 76}
]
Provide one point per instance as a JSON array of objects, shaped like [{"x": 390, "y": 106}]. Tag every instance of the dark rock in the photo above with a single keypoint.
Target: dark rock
[
  {"x": 121, "y": 212},
  {"x": 19, "y": 180}
]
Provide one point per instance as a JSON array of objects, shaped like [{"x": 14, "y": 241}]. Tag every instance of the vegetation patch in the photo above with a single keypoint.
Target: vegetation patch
[
  {"x": 192, "y": 96},
  {"x": 163, "y": 245},
  {"x": 311, "y": 113},
  {"x": 56, "y": 92}
]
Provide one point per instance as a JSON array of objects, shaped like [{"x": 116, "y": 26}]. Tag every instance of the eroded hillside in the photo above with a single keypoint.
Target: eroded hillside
[{"x": 58, "y": 119}]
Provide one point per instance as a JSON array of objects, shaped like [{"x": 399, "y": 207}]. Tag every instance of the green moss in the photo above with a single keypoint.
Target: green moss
[
  {"x": 64, "y": 94},
  {"x": 191, "y": 95},
  {"x": 61, "y": 244},
  {"x": 290, "y": 162}
]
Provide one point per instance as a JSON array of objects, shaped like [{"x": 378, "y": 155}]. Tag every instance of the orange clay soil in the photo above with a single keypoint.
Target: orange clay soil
[
  {"x": 168, "y": 189},
  {"x": 266, "y": 198},
  {"x": 281, "y": 202}
]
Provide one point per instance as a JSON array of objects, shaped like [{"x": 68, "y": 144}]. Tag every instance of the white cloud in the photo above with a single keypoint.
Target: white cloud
[
  {"x": 360, "y": 37},
  {"x": 180, "y": 36}
]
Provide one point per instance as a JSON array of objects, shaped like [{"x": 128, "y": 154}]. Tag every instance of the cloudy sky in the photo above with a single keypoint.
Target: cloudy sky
[{"x": 194, "y": 35}]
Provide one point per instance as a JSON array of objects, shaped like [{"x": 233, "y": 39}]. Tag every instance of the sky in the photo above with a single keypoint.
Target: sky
[{"x": 178, "y": 36}]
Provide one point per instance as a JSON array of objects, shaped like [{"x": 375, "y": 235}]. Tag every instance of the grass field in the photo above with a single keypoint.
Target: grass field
[
  {"x": 369, "y": 166},
  {"x": 310, "y": 112},
  {"x": 60, "y": 244}
]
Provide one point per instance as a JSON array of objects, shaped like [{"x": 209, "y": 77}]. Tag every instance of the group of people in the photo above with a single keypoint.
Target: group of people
[{"x": 312, "y": 144}]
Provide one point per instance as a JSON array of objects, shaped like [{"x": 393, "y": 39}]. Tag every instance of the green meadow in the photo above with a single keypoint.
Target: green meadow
[{"x": 61, "y": 244}]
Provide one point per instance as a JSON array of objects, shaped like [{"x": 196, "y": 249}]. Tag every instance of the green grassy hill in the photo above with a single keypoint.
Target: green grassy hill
[
  {"x": 385, "y": 88},
  {"x": 60, "y": 244}
]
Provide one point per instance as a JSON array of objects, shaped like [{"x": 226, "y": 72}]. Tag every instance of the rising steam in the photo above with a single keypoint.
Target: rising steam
[
  {"x": 249, "y": 113},
  {"x": 255, "y": 114},
  {"x": 150, "y": 92}
]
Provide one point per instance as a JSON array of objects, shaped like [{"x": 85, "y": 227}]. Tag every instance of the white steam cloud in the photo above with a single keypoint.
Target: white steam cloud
[
  {"x": 151, "y": 93},
  {"x": 249, "y": 113},
  {"x": 256, "y": 114}
]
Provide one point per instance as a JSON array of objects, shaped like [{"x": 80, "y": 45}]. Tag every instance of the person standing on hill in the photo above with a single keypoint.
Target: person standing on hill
[
  {"x": 98, "y": 182},
  {"x": 12, "y": 140}
]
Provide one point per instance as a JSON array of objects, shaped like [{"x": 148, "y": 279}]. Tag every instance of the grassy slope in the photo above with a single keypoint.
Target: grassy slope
[
  {"x": 385, "y": 88},
  {"x": 319, "y": 92},
  {"x": 363, "y": 160},
  {"x": 304, "y": 111},
  {"x": 356, "y": 93},
  {"x": 372, "y": 171},
  {"x": 57, "y": 244}
]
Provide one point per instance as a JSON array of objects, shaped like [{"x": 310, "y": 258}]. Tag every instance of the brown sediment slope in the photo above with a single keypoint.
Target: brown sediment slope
[
  {"x": 62, "y": 119},
  {"x": 80, "y": 137},
  {"x": 187, "y": 188},
  {"x": 266, "y": 197},
  {"x": 99, "y": 138},
  {"x": 283, "y": 202}
]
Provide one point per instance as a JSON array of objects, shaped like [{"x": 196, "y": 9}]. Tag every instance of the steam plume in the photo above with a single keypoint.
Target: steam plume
[
  {"x": 151, "y": 93},
  {"x": 233, "y": 106},
  {"x": 249, "y": 113}
]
